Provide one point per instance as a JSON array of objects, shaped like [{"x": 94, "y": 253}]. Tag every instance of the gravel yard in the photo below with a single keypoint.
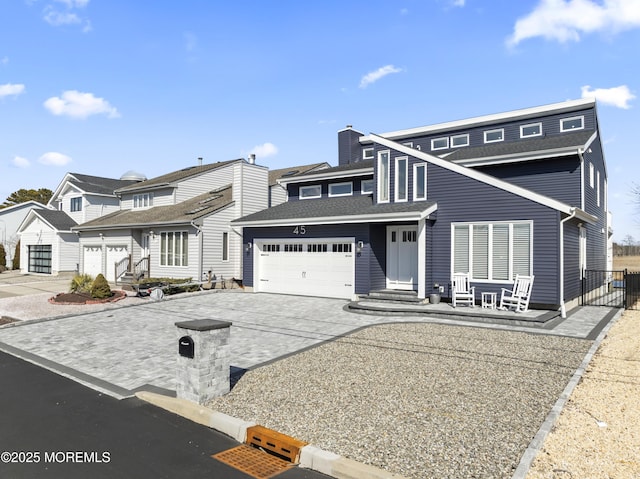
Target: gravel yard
[{"x": 421, "y": 400}]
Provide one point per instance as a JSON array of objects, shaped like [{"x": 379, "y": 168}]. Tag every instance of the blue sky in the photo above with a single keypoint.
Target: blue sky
[{"x": 104, "y": 86}]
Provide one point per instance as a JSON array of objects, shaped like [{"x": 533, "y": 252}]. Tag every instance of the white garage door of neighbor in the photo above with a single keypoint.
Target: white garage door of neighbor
[
  {"x": 312, "y": 267},
  {"x": 93, "y": 260},
  {"x": 114, "y": 254}
]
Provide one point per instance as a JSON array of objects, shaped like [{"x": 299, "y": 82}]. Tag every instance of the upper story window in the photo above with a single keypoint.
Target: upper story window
[
  {"x": 573, "y": 123},
  {"x": 383, "y": 176},
  {"x": 459, "y": 140},
  {"x": 341, "y": 189},
  {"x": 598, "y": 188},
  {"x": 591, "y": 175},
  {"x": 401, "y": 178},
  {"x": 419, "y": 181},
  {"x": 308, "y": 192},
  {"x": 366, "y": 187},
  {"x": 409, "y": 144},
  {"x": 533, "y": 129},
  {"x": 76, "y": 204},
  {"x": 367, "y": 153},
  {"x": 440, "y": 143},
  {"x": 143, "y": 200},
  {"x": 491, "y": 136}
]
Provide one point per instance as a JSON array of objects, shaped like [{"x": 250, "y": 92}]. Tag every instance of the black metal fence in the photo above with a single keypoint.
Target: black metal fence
[{"x": 616, "y": 289}]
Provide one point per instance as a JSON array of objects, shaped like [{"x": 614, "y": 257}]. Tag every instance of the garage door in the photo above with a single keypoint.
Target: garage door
[
  {"x": 114, "y": 254},
  {"x": 314, "y": 267},
  {"x": 93, "y": 260},
  {"x": 40, "y": 258}
]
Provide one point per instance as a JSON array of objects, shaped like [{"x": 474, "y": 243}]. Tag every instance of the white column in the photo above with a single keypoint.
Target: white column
[{"x": 422, "y": 255}]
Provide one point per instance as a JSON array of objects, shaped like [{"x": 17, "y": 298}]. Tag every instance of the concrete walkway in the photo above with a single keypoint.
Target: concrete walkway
[{"x": 122, "y": 350}]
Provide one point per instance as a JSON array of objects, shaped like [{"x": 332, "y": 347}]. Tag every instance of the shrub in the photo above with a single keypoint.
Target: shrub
[
  {"x": 100, "y": 288},
  {"x": 81, "y": 283},
  {"x": 16, "y": 257},
  {"x": 3, "y": 258}
]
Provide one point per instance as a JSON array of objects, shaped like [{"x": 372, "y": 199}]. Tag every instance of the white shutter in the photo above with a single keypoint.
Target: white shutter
[
  {"x": 500, "y": 250},
  {"x": 461, "y": 249},
  {"x": 522, "y": 249},
  {"x": 480, "y": 251}
]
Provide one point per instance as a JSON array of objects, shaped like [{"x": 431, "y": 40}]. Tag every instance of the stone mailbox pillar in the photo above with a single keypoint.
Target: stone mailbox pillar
[{"x": 203, "y": 359}]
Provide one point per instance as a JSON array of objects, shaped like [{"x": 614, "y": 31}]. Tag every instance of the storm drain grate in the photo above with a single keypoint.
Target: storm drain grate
[{"x": 253, "y": 462}]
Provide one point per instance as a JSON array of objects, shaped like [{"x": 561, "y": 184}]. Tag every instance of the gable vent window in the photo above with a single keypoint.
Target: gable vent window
[
  {"x": 367, "y": 154},
  {"x": 573, "y": 123},
  {"x": 491, "y": 136}
]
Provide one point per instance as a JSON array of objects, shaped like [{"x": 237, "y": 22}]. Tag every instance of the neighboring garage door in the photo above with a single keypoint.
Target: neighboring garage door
[
  {"x": 93, "y": 260},
  {"x": 114, "y": 254},
  {"x": 40, "y": 258},
  {"x": 313, "y": 267}
]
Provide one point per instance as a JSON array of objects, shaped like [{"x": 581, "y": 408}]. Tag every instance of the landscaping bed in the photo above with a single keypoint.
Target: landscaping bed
[{"x": 85, "y": 298}]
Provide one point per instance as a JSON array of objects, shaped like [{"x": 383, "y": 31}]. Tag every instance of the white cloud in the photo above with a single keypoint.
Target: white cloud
[
  {"x": 80, "y": 105},
  {"x": 618, "y": 96},
  {"x": 376, "y": 75},
  {"x": 9, "y": 89},
  {"x": 4, "y": 60},
  {"x": 56, "y": 18},
  {"x": 264, "y": 150},
  {"x": 566, "y": 20},
  {"x": 54, "y": 159},
  {"x": 74, "y": 3},
  {"x": 20, "y": 162},
  {"x": 458, "y": 3}
]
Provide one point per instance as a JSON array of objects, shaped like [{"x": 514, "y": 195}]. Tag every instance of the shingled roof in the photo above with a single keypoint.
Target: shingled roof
[
  {"x": 175, "y": 176},
  {"x": 275, "y": 175},
  {"x": 97, "y": 184},
  {"x": 59, "y": 220},
  {"x": 182, "y": 213}
]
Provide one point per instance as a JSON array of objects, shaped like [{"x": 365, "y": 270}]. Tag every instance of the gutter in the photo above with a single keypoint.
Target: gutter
[
  {"x": 563, "y": 310},
  {"x": 200, "y": 247}
]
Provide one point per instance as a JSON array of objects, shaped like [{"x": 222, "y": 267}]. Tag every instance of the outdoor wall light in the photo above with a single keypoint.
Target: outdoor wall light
[
  {"x": 359, "y": 247},
  {"x": 248, "y": 248}
]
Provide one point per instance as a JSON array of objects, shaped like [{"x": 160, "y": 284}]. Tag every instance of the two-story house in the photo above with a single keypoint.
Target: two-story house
[
  {"x": 178, "y": 224},
  {"x": 522, "y": 192},
  {"x": 47, "y": 243}
]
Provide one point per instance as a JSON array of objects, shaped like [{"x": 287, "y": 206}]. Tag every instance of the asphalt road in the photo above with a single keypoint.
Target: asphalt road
[{"x": 52, "y": 427}]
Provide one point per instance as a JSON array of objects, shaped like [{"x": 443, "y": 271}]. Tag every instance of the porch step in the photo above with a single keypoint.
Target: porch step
[{"x": 393, "y": 296}]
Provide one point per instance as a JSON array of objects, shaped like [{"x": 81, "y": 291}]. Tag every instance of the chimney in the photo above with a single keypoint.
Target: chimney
[
  {"x": 252, "y": 159},
  {"x": 200, "y": 161}
]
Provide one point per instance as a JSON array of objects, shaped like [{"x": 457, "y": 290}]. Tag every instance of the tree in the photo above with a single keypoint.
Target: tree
[
  {"x": 16, "y": 257},
  {"x": 43, "y": 195},
  {"x": 3, "y": 258}
]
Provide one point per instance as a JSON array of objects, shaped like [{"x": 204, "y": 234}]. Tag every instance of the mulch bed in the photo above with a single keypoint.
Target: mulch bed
[
  {"x": 5, "y": 320},
  {"x": 85, "y": 298}
]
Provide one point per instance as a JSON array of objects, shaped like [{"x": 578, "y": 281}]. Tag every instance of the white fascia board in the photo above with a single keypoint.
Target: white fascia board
[
  {"x": 326, "y": 176},
  {"x": 350, "y": 129},
  {"x": 553, "y": 108},
  {"x": 61, "y": 186},
  {"x": 31, "y": 216},
  {"x": 477, "y": 175},
  {"x": 26, "y": 204},
  {"x": 374, "y": 218},
  {"x": 518, "y": 157}
]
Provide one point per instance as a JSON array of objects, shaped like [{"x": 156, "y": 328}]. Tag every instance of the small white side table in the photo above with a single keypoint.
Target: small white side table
[{"x": 489, "y": 300}]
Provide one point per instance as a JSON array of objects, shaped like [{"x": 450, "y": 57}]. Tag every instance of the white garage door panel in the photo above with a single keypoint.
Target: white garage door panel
[
  {"x": 323, "y": 272},
  {"x": 114, "y": 254},
  {"x": 93, "y": 260}
]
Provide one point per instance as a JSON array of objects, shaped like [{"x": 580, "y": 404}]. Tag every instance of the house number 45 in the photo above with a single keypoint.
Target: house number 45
[{"x": 299, "y": 230}]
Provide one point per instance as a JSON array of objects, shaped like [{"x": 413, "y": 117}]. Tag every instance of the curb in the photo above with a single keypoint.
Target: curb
[{"x": 311, "y": 457}]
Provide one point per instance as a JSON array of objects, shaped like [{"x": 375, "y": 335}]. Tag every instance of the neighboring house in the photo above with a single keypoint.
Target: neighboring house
[
  {"x": 10, "y": 219},
  {"x": 47, "y": 243},
  {"x": 178, "y": 225},
  {"x": 522, "y": 192}
]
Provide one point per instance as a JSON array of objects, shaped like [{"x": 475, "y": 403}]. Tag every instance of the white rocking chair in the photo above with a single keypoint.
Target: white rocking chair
[
  {"x": 462, "y": 291},
  {"x": 517, "y": 297}
]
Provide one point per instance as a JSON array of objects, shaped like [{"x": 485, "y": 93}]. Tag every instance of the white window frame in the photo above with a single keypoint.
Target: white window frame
[
  {"x": 416, "y": 167},
  {"x": 409, "y": 144},
  {"x": 367, "y": 153},
  {"x": 350, "y": 193},
  {"x": 591, "y": 175},
  {"x": 489, "y": 279},
  {"x": 487, "y": 132},
  {"x": 179, "y": 258},
  {"x": 384, "y": 184},
  {"x": 445, "y": 147},
  {"x": 456, "y": 137},
  {"x": 563, "y": 120},
  {"x": 77, "y": 200},
  {"x": 142, "y": 201},
  {"x": 308, "y": 187},
  {"x": 397, "y": 197},
  {"x": 369, "y": 191},
  {"x": 529, "y": 125},
  {"x": 598, "y": 188}
]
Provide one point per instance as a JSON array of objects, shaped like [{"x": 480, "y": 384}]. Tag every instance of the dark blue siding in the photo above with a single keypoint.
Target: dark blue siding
[
  {"x": 294, "y": 188},
  {"x": 349, "y": 147},
  {"x": 597, "y": 233},
  {"x": 572, "y": 284},
  {"x": 557, "y": 178}
]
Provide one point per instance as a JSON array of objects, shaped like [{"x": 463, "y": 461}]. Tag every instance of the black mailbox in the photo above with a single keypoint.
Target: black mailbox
[{"x": 185, "y": 347}]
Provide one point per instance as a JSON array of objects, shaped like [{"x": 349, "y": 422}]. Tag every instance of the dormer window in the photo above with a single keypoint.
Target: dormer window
[
  {"x": 309, "y": 192},
  {"x": 367, "y": 154},
  {"x": 573, "y": 123},
  {"x": 76, "y": 204},
  {"x": 533, "y": 129},
  {"x": 143, "y": 200},
  {"x": 341, "y": 189},
  {"x": 492, "y": 136},
  {"x": 440, "y": 143}
]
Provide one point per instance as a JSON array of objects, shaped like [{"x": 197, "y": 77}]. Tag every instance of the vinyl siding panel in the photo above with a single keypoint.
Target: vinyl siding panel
[
  {"x": 190, "y": 271},
  {"x": 204, "y": 182},
  {"x": 597, "y": 233},
  {"x": 161, "y": 197},
  {"x": 96, "y": 206},
  {"x": 68, "y": 252},
  {"x": 572, "y": 284},
  {"x": 250, "y": 188},
  {"x": 213, "y": 228},
  {"x": 277, "y": 195}
]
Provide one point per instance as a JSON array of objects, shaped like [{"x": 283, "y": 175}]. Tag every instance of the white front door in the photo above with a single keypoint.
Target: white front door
[
  {"x": 145, "y": 245},
  {"x": 402, "y": 257}
]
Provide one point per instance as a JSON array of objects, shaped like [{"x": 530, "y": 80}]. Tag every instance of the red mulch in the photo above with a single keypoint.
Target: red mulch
[{"x": 85, "y": 298}]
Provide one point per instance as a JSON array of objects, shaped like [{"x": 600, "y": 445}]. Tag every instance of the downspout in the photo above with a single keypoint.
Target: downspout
[
  {"x": 200, "y": 248},
  {"x": 240, "y": 234},
  {"x": 580, "y": 155},
  {"x": 563, "y": 310}
]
